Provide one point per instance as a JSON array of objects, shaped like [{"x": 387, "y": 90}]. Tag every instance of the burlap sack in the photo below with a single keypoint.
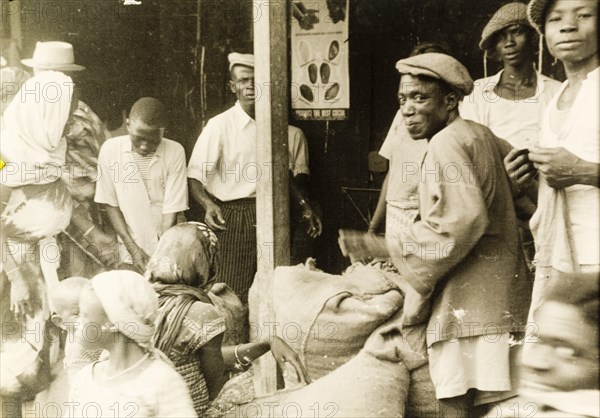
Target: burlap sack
[
  {"x": 236, "y": 315},
  {"x": 327, "y": 318},
  {"x": 363, "y": 387},
  {"x": 394, "y": 342}
]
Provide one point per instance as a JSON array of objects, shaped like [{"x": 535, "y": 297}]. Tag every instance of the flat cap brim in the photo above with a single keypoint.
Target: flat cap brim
[
  {"x": 439, "y": 66},
  {"x": 236, "y": 58}
]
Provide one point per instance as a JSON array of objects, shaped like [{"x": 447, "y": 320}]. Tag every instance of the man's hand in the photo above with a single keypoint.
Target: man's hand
[
  {"x": 315, "y": 227},
  {"x": 140, "y": 258},
  {"x": 361, "y": 245},
  {"x": 283, "y": 353},
  {"x": 520, "y": 169},
  {"x": 20, "y": 302},
  {"x": 104, "y": 246},
  {"x": 560, "y": 168},
  {"x": 214, "y": 217}
]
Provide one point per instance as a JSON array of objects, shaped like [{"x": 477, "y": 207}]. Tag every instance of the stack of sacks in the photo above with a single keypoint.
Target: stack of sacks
[
  {"x": 230, "y": 307},
  {"x": 327, "y": 318},
  {"x": 396, "y": 342},
  {"x": 364, "y": 387}
]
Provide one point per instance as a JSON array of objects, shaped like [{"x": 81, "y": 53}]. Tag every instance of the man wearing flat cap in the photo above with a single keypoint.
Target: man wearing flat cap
[
  {"x": 223, "y": 174},
  {"x": 459, "y": 257}
]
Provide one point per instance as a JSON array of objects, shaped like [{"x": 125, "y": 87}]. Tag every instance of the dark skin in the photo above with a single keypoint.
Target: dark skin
[
  {"x": 217, "y": 360},
  {"x": 242, "y": 85},
  {"x": 145, "y": 139},
  {"x": 513, "y": 46},
  {"x": 570, "y": 29}
]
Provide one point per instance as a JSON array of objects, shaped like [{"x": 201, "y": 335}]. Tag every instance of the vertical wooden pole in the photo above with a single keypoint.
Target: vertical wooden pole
[{"x": 272, "y": 201}]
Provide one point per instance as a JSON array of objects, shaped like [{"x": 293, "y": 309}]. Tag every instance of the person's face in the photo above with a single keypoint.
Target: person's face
[
  {"x": 570, "y": 29},
  {"x": 514, "y": 46},
  {"x": 92, "y": 317},
  {"x": 424, "y": 106},
  {"x": 566, "y": 356},
  {"x": 145, "y": 138},
  {"x": 242, "y": 84}
]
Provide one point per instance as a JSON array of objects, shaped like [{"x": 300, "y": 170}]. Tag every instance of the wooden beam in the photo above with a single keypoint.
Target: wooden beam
[{"x": 272, "y": 200}]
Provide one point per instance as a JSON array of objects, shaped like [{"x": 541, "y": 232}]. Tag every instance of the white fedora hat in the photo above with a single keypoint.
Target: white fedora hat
[{"x": 54, "y": 55}]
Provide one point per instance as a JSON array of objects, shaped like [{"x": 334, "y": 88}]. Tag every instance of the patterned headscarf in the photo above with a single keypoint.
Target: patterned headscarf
[
  {"x": 182, "y": 268},
  {"x": 187, "y": 254}
]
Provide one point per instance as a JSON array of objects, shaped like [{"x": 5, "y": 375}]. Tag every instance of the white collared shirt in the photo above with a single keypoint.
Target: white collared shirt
[
  {"x": 120, "y": 185},
  {"x": 224, "y": 157},
  {"x": 517, "y": 121}
]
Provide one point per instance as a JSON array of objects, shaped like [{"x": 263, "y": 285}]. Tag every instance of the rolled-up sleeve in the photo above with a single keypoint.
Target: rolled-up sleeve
[
  {"x": 453, "y": 217},
  {"x": 206, "y": 154},
  {"x": 299, "y": 155},
  {"x": 176, "y": 192},
  {"x": 106, "y": 192}
]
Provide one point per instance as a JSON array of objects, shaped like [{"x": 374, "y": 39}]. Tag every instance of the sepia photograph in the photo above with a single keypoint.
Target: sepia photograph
[{"x": 299, "y": 208}]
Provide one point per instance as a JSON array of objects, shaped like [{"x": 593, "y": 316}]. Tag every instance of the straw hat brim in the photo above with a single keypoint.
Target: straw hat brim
[{"x": 61, "y": 67}]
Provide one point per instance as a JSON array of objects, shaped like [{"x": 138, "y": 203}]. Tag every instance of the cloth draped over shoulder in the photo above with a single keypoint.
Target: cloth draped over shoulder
[
  {"x": 175, "y": 302},
  {"x": 182, "y": 268},
  {"x": 32, "y": 135}
]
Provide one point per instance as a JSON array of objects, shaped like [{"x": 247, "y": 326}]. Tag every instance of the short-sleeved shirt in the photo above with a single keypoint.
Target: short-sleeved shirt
[
  {"x": 517, "y": 121},
  {"x": 158, "y": 391},
  {"x": 120, "y": 184},
  {"x": 405, "y": 156},
  {"x": 224, "y": 157}
]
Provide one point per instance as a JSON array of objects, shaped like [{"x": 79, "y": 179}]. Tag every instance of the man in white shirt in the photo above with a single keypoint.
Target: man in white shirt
[
  {"x": 223, "y": 173},
  {"x": 142, "y": 182}
]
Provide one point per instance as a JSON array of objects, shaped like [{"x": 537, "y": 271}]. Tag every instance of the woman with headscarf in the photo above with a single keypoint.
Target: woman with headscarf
[
  {"x": 36, "y": 205},
  {"x": 189, "y": 328},
  {"x": 117, "y": 313}
]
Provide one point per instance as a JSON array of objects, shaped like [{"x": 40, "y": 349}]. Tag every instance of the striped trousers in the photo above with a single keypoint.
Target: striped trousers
[{"x": 237, "y": 243}]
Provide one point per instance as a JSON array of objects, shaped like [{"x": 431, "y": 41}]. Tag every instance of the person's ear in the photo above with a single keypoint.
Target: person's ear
[
  {"x": 451, "y": 101},
  {"x": 58, "y": 321},
  {"x": 232, "y": 86}
]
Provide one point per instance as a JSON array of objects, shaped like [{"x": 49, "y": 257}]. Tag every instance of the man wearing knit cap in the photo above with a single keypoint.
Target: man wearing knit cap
[
  {"x": 459, "y": 256},
  {"x": 223, "y": 173},
  {"x": 511, "y": 102}
]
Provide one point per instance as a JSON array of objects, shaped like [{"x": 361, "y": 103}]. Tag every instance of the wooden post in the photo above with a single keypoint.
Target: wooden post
[{"x": 272, "y": 200}]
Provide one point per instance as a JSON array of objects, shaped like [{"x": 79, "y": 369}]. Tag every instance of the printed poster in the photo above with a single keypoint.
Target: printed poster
[{"x": 320, "y": 83}]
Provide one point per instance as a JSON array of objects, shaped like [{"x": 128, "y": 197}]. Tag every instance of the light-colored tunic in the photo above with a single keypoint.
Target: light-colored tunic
[
  {"x": 120, "y": 185},
  {"x": 158, "y": 391},
  {"x": 516, "y": 121}
]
